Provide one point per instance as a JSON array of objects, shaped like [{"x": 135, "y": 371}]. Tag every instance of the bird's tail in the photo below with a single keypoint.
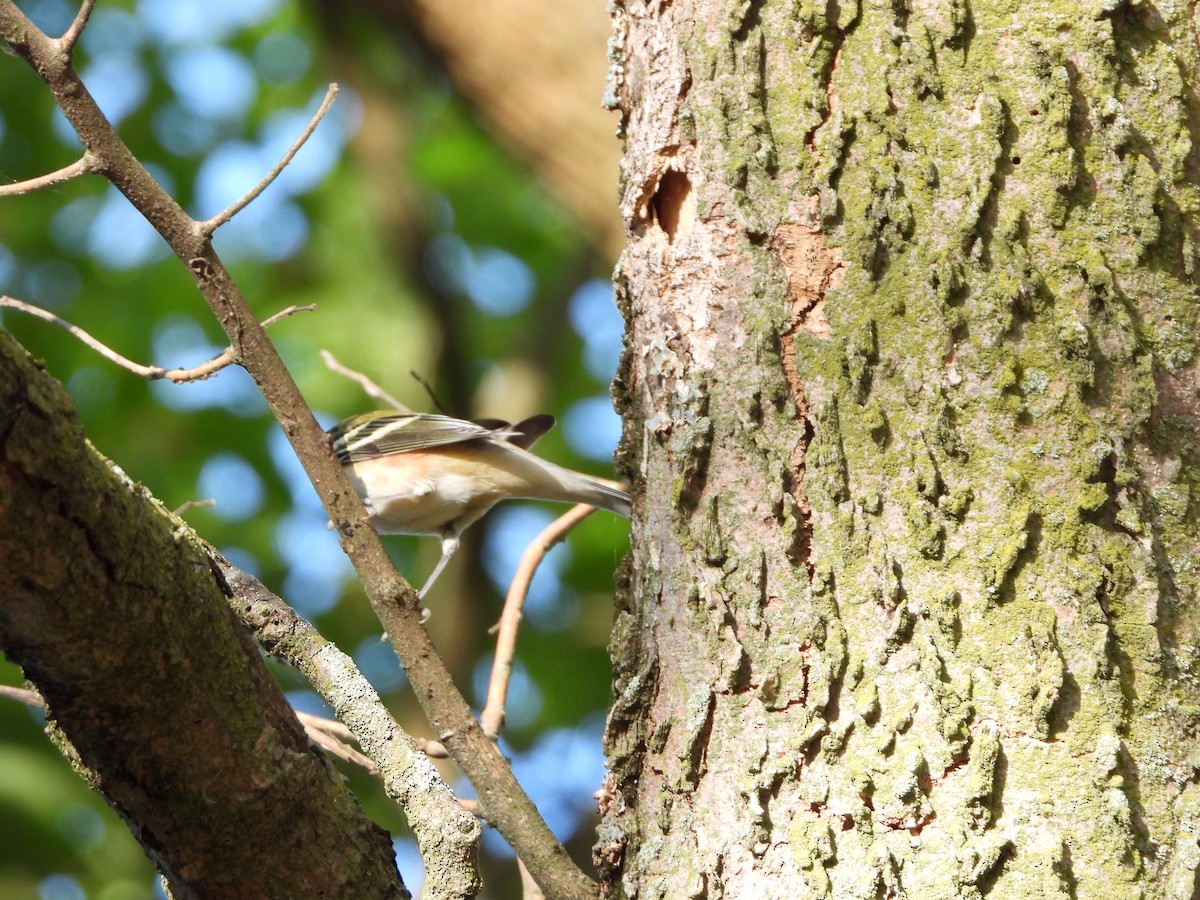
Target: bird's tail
[
  {"x": 603, "y": 494},
  {"x": 569, "y": 486}
]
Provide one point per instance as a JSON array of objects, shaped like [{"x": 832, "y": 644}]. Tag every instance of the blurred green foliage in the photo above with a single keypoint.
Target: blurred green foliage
[{"x": 208, "y": 95}]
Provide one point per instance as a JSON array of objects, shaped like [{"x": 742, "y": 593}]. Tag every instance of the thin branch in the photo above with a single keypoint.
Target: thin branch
[
  {"x": 371, "y": 389},
  {"x": 448, "y": 837},
  {"x": 328, "y": 734},
  {"x": 154, "y": 373},
  {"x": 23, "y": 695},
  {"x": 102, "y": 349},
  {"x": 286, "y": 312},
  {"x": 433, "y": 398},
  {"x": 81, "y": 166},
  {"x": 71, "y": 35},
  {"x": 332, "y": 736},
  {"x": 202, "y": 372},
  {"x": 193, "y": 504},
  {"x": 334, "y": 729},
  {"x": 208, "y": 226},
  {"x": 492, "y": 718}
]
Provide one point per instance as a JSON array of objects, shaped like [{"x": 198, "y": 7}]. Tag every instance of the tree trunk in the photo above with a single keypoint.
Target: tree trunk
[{"x": 911, "y": 386}]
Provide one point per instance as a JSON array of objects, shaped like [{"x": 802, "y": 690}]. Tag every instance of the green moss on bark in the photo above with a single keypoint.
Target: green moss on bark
[{"x": 1011, "y": 185}]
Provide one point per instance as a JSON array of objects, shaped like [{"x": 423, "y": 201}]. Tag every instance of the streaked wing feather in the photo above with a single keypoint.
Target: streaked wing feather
[
  {"x": 492, "y": 424},
  {"x": 381, "y": 434}
]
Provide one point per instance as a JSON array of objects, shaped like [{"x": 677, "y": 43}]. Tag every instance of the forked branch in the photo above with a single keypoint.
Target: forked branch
[
  {"x": 71, "y": 35},
  {"x": 447, "y": 834},
  {"x": 179, "y": 376}
]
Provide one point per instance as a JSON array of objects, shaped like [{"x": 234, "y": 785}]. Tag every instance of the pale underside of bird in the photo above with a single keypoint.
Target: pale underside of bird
[{"x": 419, "y": 473}]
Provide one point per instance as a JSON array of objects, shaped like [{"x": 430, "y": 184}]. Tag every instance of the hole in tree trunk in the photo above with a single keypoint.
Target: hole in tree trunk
[{"x": 673, "y": 205}]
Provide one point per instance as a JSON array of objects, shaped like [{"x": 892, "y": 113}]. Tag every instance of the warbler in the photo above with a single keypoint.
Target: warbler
[{"x": 419, "y": 473}]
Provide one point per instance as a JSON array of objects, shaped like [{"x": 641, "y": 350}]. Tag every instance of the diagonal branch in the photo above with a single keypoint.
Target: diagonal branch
[
  {"x": 510, "y": 619},
  {"x": 208, "y": 226},
  {"x": 448, "y": 836},
  {"x": 328, "y": 734},
  {"x": 370, "y": 388},
  {"x": 23, "y": 695},
  {"x": 154, "y": 373},
  {"x": 333, "y": 744},
  {"x": 81, "y": 166},
  {"x": 132, "y": 725},
  {"x": 71, "y": 35}
]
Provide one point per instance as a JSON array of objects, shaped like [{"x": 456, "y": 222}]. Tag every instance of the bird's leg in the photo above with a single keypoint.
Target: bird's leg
[{"x": 449, "y": 547}]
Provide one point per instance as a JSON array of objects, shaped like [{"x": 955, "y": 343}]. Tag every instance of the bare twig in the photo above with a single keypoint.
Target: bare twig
[
  {"x": 23, "y": 695},
  {"x": 331, "y": 727},
  {"x": 285, "y": 312},
  {"x": 332, "y": 736},
  {"x": 81, "y": 166},
  {"x": 71, "y": 35},
  {"x": 335, "y": 729},
  {"x": 433, "y": 398},
  {"x": 102, "y": 349},
  {"x": 372, "y": 390},
  {"x": 208, "y": 226},
  {"x": 201, "y": 372},
  {"x": 342, "y": 751},
  {"x": 510, "y": 619},
  {"x": 192, "y": 504},
  {"x": 179, "y": 376}
]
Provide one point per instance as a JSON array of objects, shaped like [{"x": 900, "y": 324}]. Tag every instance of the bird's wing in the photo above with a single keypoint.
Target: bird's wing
[
  {"x": 493, "y": 424},
  {"x": 381, "y": 434}
]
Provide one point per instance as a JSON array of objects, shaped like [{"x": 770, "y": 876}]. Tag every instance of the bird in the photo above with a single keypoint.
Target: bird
[{"x": 428, "y": 474}]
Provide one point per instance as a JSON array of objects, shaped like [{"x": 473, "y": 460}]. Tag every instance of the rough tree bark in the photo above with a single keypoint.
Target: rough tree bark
[
  {"x": 157, "y": 694},
  {"x": 911, "y": 388}
]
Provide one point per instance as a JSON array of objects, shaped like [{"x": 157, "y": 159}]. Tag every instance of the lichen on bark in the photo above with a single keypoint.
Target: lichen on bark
[{"x": 976, "y": 672}]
